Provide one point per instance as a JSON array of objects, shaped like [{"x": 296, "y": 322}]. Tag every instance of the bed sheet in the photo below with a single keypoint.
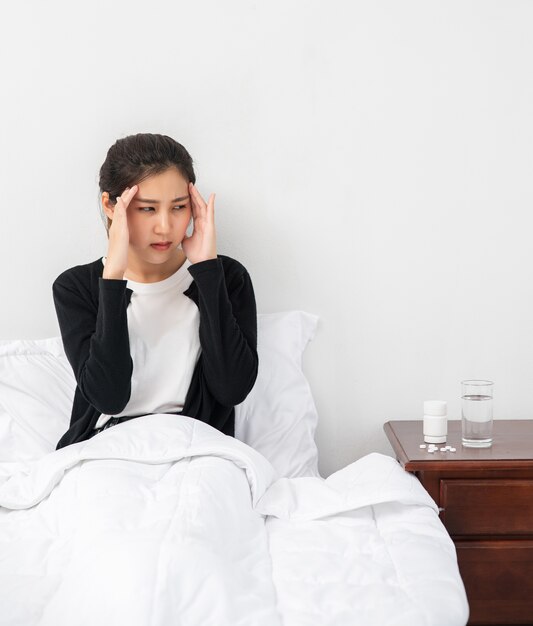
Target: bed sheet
[{"x": 161, "y": 520}]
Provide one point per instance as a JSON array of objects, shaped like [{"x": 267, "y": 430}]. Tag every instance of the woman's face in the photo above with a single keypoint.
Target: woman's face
[{"x": 159, "y": 211}]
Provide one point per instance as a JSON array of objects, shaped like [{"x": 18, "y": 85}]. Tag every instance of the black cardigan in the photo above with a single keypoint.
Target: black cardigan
[{"x": 92, "y": 317}]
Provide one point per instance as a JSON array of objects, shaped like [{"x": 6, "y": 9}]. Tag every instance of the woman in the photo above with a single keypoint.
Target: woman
[{"x": 162, "y": 323}]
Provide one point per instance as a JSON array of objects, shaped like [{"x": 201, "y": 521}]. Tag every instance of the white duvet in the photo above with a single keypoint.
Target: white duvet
[{"x": 163, "y": 520}]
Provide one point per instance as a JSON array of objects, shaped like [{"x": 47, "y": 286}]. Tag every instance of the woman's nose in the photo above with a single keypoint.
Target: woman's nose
[{"x": 163, "y": 222}]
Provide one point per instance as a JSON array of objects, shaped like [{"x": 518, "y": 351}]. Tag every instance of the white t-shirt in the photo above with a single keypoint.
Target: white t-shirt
[{"x": 163, "y": 328}]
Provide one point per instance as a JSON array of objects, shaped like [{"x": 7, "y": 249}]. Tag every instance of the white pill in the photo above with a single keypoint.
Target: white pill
[
  {"x": 443, "y": 449},
  {"x": 452, "y": 449},
  {"x": 431, "y": 450},
  {"x": 423, "y": 445}
]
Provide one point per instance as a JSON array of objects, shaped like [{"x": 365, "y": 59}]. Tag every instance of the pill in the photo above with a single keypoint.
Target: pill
[
  {"x": 452, "y": 449},
  {"x": 422, "y": 445},
  {"x": 443, "y": 449},
  {"x": 431, "y": 450}
]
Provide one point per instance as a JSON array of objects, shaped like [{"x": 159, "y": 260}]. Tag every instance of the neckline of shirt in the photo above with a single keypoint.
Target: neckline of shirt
[{"x": 161, "y": 285}]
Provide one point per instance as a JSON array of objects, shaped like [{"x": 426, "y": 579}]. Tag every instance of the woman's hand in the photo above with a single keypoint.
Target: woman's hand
[
  {"x": 201, "y": 245},
  {"x": 116, "y": 262}
]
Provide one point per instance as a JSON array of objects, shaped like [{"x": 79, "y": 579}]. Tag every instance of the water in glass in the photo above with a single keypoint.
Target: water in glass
[{"x": 477, "y": 421}]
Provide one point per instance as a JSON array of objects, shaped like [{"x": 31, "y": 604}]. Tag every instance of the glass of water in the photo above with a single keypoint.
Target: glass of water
[{"x": 476, "y": 398}]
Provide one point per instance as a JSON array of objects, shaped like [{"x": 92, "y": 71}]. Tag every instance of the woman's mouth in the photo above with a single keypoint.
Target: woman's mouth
[{"x": 161, "y": 246}]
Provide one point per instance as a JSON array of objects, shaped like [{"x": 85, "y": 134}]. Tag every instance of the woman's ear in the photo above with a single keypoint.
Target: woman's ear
[{"x": 109, "y": 208}]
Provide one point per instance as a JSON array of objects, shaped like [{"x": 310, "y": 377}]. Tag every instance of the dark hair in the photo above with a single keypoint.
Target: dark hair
[{"x": 133, "y": 158}]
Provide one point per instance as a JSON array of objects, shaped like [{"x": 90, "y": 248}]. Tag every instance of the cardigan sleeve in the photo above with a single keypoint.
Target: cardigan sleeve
[
  {"x": 96, "y": 342},
  {"x": 228, "y": 331}
]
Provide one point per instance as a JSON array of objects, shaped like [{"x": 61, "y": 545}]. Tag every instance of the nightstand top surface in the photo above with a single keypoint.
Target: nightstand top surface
[{"x": 512, "y": 442}]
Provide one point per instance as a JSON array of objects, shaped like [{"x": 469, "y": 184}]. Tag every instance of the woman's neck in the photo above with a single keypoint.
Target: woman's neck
[{"x": 141, "y": 273}]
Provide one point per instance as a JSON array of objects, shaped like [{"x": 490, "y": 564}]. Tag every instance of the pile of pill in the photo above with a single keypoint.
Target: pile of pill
[{"x": 433, "y": 448}]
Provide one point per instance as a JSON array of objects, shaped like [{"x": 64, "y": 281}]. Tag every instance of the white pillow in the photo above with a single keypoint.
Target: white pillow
[
  {"x": 36, "y": 394},
  {"x": 278, "y": 417}
]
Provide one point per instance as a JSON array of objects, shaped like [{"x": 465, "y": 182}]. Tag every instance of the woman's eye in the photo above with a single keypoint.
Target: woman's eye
[{"x": 181, "y": 206}]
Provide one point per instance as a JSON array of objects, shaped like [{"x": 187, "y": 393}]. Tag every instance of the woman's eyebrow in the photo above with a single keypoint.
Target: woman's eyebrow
[{"x": 157, "y": 201}]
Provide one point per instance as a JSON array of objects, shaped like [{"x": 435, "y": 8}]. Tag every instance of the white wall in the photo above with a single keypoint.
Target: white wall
[{"x": 372, "y": 163}]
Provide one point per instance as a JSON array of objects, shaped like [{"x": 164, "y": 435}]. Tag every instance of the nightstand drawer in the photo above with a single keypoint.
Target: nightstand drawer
[
  {"x": 487, "y": 506},
  {"x": 499, "y": 575}
]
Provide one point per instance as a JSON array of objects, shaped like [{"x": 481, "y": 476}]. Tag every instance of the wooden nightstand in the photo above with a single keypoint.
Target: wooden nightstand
[{"x": 486, "y": 500}]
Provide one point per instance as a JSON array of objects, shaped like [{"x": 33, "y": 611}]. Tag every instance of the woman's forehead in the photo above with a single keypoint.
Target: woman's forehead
[{"x": 168, "y": 186}]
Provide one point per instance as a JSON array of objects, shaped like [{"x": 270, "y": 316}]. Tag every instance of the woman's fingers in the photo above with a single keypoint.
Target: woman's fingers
[
  {"x": 200, "y": 202},
  {"x": 202, "y": 208},
  {"x": 194, "y": 202},
  {"x": 127, "y": 195},
  {"x": 211, "y": 204},
  {"x": 117, "y": 254}
]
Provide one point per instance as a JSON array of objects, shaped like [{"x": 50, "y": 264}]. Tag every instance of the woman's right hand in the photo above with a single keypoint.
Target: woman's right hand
[{"x": 116, "y": 262}]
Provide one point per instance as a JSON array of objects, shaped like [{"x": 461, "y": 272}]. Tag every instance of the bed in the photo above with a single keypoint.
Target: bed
[{"x": 163, "y": 519}]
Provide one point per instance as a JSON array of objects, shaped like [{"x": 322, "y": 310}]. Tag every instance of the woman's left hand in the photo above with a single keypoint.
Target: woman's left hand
[{"x": 201, "y": 245}]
